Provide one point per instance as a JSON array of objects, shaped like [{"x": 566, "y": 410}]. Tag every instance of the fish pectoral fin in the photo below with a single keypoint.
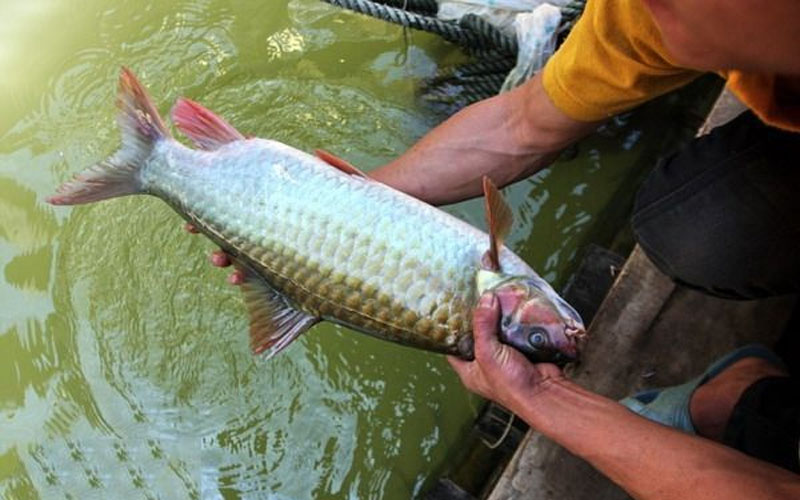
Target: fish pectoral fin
[
  {"x": 274, "y": 323},
  {"x": 498, "y": 218},
  {"x": 207, "y": 130},
  {"x": 340, "y": 163}
]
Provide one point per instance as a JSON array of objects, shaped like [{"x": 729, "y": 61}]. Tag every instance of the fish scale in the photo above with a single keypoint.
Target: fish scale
[
  {"x": 316, "y": 239},
  {"x": 366, "y": 263}
]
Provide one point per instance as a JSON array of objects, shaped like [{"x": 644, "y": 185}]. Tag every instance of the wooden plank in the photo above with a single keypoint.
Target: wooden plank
[
  {"x": 590, "y": 283},
  {"x": 445, "y": 489},
  {"x": 623, "y": 315},
  {"x": 492, "y": 442},
  {"x": 629, "y": 309}
]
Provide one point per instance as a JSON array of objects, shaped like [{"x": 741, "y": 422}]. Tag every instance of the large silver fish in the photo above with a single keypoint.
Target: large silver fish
[{"x": 317, "y": 240}]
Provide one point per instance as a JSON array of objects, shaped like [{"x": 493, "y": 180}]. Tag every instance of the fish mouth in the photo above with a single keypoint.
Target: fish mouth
[{"x": 573, "y": 335}]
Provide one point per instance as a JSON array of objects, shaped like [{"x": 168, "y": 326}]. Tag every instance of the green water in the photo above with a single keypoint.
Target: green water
[{"x": 124, "y": 363}]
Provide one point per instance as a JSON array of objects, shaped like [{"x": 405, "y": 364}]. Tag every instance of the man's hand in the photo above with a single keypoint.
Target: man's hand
[
  {"x": 500, "y": 372},
  {"x": 219, "y": 259}
]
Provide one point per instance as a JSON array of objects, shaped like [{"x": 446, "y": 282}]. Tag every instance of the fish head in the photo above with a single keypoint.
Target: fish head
[{"x": 534, "y": 319}]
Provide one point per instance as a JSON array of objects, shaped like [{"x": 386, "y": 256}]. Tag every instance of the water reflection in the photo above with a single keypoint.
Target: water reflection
[{"x": 125, "y": 357}]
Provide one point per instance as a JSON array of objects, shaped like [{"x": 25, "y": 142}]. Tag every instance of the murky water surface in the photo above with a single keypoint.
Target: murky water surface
[{"x": 124, "y": 360}]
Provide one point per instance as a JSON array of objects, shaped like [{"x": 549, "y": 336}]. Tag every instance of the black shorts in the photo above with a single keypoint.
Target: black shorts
[
  {"x": 723, "y": 214},
  {"x": 765, "y": 423}
]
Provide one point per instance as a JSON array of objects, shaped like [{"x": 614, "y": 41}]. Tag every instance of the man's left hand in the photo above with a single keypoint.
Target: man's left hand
[{"x": 500, "y": 372}]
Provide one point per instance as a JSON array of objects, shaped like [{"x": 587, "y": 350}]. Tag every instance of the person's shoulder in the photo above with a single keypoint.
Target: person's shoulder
[{"x": 613, "y": 60}]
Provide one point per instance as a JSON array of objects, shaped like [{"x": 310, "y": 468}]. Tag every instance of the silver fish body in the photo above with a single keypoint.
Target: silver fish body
[
  {"x": 340, "y": 247},
  {"x": 318, "y": 240}
]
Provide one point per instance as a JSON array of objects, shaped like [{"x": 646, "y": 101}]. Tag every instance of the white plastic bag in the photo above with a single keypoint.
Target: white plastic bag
[
  {"x": 501, "y": 19},
  {"x": 515, "y": 5},
  {"x": 536, "y": 36},
  {"x": 500, "y": 13}
]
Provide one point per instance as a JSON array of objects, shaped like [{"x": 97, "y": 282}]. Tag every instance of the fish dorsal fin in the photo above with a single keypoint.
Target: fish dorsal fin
[
  {"x": 274, "y": 323},
  {"x": 207, "y": 130},
  {"x": 340, "y": 163},
  {"x": 498, "y": 218}
]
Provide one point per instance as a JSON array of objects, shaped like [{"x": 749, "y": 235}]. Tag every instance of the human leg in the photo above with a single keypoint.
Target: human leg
[
  {"x": 744, "y": 400},
  {"x": 765, "y": 423},
  {"x": 721, "y": 215}
]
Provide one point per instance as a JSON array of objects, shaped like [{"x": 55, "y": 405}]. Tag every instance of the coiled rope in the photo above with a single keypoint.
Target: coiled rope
[
  {"x": 419, "y": 6},
  {"x": 570, "y": 14},
  {"x": 471, "y": 32},
  {"x": 495, "y": 52}
]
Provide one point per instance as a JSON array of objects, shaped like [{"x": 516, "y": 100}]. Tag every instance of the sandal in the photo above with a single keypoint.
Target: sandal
[{"x": 670, "y": 405}]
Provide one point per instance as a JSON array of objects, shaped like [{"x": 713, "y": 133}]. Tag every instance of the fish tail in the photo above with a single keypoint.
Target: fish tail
[{"x": 118, "y": 175}]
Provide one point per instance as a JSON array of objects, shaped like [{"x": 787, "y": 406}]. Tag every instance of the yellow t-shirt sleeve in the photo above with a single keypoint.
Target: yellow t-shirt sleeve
[{"x": 612, "y": 61}]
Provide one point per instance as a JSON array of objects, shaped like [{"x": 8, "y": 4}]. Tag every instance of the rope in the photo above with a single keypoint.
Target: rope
[
  {"x": 492, "y": 81},
  {"x": 459, "y": 92},
  {"x": 498, "y": 40},
  {"x": 418, "y": 6},
  {"x": 486, "y": 86},
  {"x": 472, "y": 31},
  {"x": 573, "y": 9},
  {"x": 570, "y": 14},
  {"x": 480, "y": 67},
  {"x": 494, "y": 51},
  {"x": 447, "y": 30},
  {"x": 503, "y": 437}
]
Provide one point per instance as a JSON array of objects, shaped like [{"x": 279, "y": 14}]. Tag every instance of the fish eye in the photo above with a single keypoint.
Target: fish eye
[{"x": 537, "y": 337}]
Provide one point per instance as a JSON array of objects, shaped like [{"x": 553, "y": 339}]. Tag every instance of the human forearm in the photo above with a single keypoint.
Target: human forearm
[
  {"x": 507, "y": 137},
  {"x": 648, "y": 460}
]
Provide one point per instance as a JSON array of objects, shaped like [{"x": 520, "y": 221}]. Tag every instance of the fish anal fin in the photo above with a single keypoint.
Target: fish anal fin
[
  {"x": 207, "y": 130},
  {"x": 498, "y": 218},
  {"x": 274, "y": 323},
  {"x": 340, "y": 163}
]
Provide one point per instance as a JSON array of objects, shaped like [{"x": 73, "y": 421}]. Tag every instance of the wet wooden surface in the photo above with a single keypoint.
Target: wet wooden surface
[{"x": 648, "y": 332}]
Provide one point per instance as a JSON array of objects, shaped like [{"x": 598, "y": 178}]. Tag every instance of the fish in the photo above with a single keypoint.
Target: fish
[{"x": 315, "y": 239}]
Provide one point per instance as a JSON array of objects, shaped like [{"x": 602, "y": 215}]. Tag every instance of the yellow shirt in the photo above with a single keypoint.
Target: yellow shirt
[{"x": 614, "y": 59}]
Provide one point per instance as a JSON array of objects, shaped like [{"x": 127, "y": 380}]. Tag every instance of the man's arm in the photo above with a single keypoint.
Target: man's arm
[
  {"x": 507, "y": 137},
  {"x": 646, "y": 459}
]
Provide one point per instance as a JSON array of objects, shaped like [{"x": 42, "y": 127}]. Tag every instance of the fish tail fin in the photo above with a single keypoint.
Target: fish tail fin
[{"x": 118, "y": 175}]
